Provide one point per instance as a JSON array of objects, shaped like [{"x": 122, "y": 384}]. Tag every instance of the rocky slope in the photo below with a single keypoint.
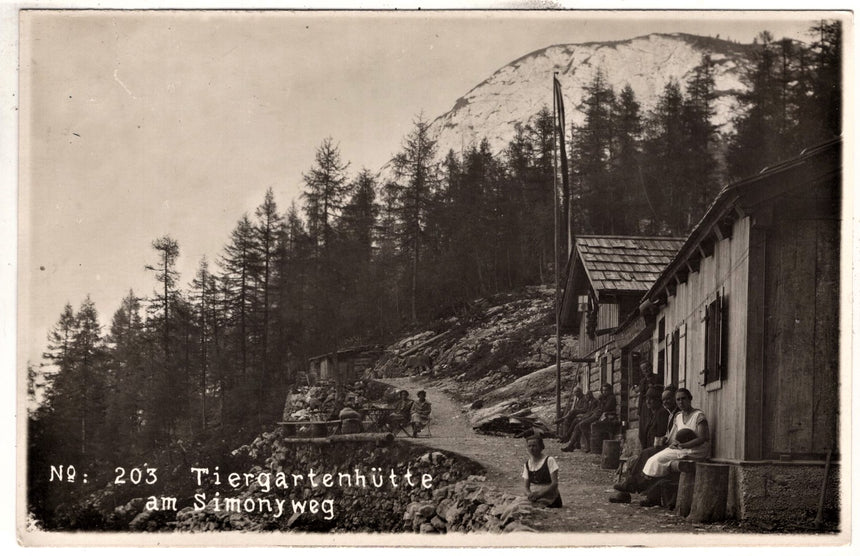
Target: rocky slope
[{"x": 498, "y": 357}]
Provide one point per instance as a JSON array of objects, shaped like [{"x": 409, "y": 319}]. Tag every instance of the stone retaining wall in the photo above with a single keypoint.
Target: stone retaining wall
[{"x": 457, "y": 500}]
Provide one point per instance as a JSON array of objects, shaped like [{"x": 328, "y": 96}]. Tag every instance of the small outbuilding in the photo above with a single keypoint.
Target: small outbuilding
[{"x": 344, "y": 366}]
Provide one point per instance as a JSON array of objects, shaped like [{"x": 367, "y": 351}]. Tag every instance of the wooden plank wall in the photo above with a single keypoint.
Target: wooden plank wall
[
  {"x": 726, "y": 272},
  {"x": 587, "y": 345},
  {"x": 826, "y": 342},
  {"x": 801, "y": 386}
]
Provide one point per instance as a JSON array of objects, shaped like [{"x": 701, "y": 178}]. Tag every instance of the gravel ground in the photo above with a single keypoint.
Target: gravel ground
[{"x": 585, "y": 487}]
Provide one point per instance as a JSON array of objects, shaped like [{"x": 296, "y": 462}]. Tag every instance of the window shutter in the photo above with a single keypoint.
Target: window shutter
[
  {"x": 682, "y": 354},
  {"x": 724, "y": 338},
  {"x": 712, "y": 341}
]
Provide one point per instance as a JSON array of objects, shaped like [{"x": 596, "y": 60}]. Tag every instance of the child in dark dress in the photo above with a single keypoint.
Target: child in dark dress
[{"x": 540, "y": 475}]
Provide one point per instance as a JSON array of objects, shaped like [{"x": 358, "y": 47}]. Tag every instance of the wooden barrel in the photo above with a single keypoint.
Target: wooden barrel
[
  {"x": 611, "y": 454},
  {"x": 289, "y": 429}
]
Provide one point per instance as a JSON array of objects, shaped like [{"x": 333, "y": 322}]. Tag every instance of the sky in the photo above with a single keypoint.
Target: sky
[{"x": 135, "y": 125}]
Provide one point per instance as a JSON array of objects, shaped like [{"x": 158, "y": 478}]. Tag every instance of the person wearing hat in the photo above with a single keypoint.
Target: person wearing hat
[{"x": 540, "y": 475}]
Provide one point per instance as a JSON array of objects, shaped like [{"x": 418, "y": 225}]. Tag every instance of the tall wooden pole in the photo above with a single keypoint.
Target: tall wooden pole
[{"x": 555, "y": 234}]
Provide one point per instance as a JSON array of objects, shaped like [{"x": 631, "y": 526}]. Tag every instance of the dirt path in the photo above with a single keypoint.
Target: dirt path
[{"x": 585, "y": 487}]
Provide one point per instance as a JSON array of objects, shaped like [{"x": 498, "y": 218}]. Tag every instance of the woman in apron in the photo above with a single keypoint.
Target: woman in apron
[{"x": 540, "y": 475}]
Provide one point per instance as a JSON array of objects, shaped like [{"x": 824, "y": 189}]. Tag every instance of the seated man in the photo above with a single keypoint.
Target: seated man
[
  {"x": 420, "y": 413},
  {"x": 650, "y": 425},
  {"x": 606, "y": 426},
  {"x": 605, "y": 411},
  {"x": 579, "y": 406},
  {"x": 593, "y": 412}
]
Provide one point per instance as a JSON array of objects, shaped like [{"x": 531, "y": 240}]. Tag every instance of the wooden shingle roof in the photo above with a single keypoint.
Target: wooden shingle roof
[{"x": 625, "y": 263}]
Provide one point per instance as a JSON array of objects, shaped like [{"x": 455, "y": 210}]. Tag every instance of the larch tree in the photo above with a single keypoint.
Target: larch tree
[
  {"x": 415, "y": 179},
  {"x": 326, "y": 186},
  {"x": 268, "y": 228},
  {"x": 127, "y": 379}
]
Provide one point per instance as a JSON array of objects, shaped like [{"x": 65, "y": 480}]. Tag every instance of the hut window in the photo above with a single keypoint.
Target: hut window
[
  {"x": 582, "y": 304},
  {"x": 716, "y": 339}
]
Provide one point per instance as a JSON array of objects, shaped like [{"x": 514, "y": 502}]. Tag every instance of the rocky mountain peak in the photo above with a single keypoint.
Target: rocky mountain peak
[{"x": 517, "y": 91}]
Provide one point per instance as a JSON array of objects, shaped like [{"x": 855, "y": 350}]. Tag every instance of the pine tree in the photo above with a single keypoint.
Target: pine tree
[
  {"x": 518, "y": 163},
  {"x": 415, "y": 177},
  {"x": 325, "y": 189},
  {"x": 77, "y": 394},
  {"x": 824, "y": 106},
  {"x": 164, "y": 365},
  {"x": 60, "y": 339},
  {"x": 665, "y": 173},
  {"x": 127, "y": 380},
  {"x": 635, "y": 213},
  {"x": 268, "y": 228},
  {"x": 358, "y": 220},
  {"x": 203, "y": 293},
  {"x": 701, "y": 171},
  {"x": 539, "y": 191},
  {"x": 240, "y": 266},
  {"x": 168, "y": 252},
  {"x": 592, "y": 152},
  {"x": 758, "y": 139}
]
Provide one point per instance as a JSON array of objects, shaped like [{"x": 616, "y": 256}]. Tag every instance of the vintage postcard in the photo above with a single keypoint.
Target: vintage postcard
[{"x": 433, "y": 278}]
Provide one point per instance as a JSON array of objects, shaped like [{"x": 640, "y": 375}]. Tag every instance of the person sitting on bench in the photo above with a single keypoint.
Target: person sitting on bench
[
  {"x": 687, "y": 417},
  {"x": 402, "y": 412},
  {"x": 579, "y": 407},
  {"x": 605, "y": 410},
  {"x": 654, "y": 438},
  {"x": 691, "y": 440},
  {"x": 420, "y": 413}
]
